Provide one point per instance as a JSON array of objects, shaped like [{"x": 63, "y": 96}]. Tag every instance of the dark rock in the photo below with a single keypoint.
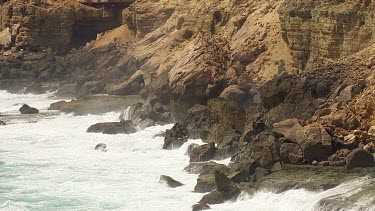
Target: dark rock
[
  {"x": 205, "y": 183},
  {"x": 170, "y": 181},
  {"x": 359, "y": 158},
  {"x": 313, "y": 150},
  {"x": 226, "y": 190},
  {"x": 195, "y": 119},
  {"x": 260, "y": 173},
  {"x": 291, "y": 153},
  {"x": 101, "y": 147},
  {"x": 203, "y": 153},
  {"x": 34, "y": 88},
  {"x": 2, "y": 123},
  {"x": 198, "y": 207},
  {"x": 239, "y": 176},
  {"x": 25, "y": 109},
  {"x": 147, "y": 123},
  {"x": 190, "y": 149},
  {"x": 223, "y": 117},
  {"x": 248, "y": 165},
  {"x": 123, "y": 127},
  {"x": 206, "y": 168},
  {"x": 175, "y": 137}
]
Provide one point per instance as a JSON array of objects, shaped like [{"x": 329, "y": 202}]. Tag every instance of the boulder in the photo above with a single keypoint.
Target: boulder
[
  {"x": 175, "y": 137},
  {"x": 291, "y": 129},
  {"x": 291, "y": 153},
  {"x": 101, "y": 147},
  {"x": 371, "y": 131},
  {"x": 34, "y": 88},
  {"x": 123, "y": 127},
  {"x": 205, "y": 168},
  {"x": 203, "y": 153},
  {"x": 2, "y": 123},
  {"x": 198, "y": 207},
  {"x": 26, "y": 109},
  {"x": 226, "y": 190},
  {"x": 359, "y": 158},
  {"x": 235, "y": 94},
  {"x": 170, "y": 181},
  {"x": 205, "y": 183}
]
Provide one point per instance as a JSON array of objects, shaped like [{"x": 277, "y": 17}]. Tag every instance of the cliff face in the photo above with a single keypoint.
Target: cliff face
[
  {"x": 60, "y": 25},
  {"x": 319, "y": 30}
]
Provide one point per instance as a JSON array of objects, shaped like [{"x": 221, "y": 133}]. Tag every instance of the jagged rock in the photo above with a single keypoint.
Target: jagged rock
[
  {"x": 226, "y": 190},
  {"x": 195, "y": 119},
  {"x": 235, "y": 94},
  {"x": 239, "y": 176},
  {"x": 203, "y": 153},
  {"x": 101, "y": 147},
  {"x": 25, "y": 109},
  {"x": 371, "y": 131},
  {"x": 160, "y": 134},
  {"x": 170, "y": 181},
  {"x": 260, "y": 173},
  {"x": 131, "y": 86},
  {"x": 5, "y": 38},
  {"x": 175, "y": 137},
  {"x": 34, "y": 88},
  {"x": 249, "y": 165},
  {"x": 205, "y": 183},
  {"x": 359, "y": 158},
  {"x": 291, "y": 129},
  {"x": 190, "y": 148},
  {"x": 123, "y": 127},
  {"x": 2, "y": 123},
  {"x": 291, "y": 153},
  {"x": 262, "y": 149},
  {"x": 223, "y": 117}
]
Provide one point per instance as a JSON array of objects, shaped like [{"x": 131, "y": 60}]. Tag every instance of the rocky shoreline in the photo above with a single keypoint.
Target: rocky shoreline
[{"x": 258, "y": 83}]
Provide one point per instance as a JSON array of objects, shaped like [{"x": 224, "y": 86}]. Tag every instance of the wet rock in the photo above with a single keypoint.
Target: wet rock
[
  {"x": 195, "y": 119},
  {"x": 359, "y": 158},
  {"x": 206, "y": 168},
  {"x": 147, "y": 123},
  {"x": 260, "y": 173},
  {"x": 34, "y": 88},
  {"x": 26, "y": 109},
  {"x": 226, "y": 190},
  {"x": 123, "y": 127},
  {"x": 101, "y": 147},
  {"x": 239, "y": 176},
  {"x": 198, "y": 207},
  {"x": 2, "y": 123},
  {"x": 170, "y": 181},
  {"x": 249, "y": 165},
  {"x": 175, "y": 137},
  {"x": 203, "y": 153},
  {"x": 190, "y": 149},
  {"x": 205, "y": 183}
]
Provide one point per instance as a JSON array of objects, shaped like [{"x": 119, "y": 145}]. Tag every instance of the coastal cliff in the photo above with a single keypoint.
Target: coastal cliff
[{"x": 272, "y": 86}]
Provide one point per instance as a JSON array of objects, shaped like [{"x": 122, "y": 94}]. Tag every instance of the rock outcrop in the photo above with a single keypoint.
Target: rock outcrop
[
  {"x": 123, "y": 127},
  {"x": 170, "y": 181},
  {"x": 26, "y": 109}
]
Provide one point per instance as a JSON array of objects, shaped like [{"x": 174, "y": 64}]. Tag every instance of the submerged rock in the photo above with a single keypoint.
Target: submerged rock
[
  {"x": 26, "y": 109},
  {"x": 170, "y": 181},
  {"x": 123, "y": 127},
  {"x": 198, "y": 207},
  {"x": 101, "y": 147},
  {"x": 359, "y": 158}
]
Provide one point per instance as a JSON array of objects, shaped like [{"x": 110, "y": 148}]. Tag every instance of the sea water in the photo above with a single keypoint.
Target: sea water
[{"x": 51, "y": 164}]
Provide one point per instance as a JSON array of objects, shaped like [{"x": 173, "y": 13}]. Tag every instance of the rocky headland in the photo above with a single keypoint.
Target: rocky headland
[{"x": 285, "y": 90}]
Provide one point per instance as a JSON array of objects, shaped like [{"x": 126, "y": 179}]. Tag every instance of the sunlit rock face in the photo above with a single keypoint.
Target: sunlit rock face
[{"x": 317, "y": 30}]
